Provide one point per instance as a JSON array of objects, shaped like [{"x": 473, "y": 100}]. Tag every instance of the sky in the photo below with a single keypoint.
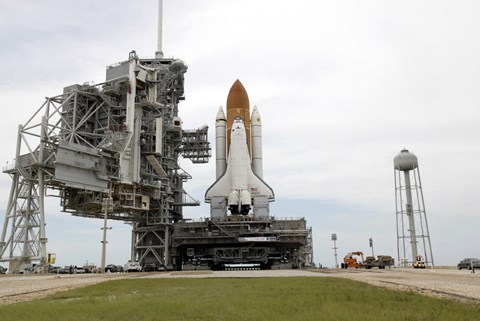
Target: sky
[{"x": 342, "y": 88}]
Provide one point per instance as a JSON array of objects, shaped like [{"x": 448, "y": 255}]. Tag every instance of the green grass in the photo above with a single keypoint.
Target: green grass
[{"x": 307, "y": 298}]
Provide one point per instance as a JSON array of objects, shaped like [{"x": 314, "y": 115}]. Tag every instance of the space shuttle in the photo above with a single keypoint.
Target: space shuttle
[{"x": 239, "y": 186}]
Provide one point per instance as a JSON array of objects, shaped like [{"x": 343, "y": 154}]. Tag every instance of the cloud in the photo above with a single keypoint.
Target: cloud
[{"x": 341, "y": 87}]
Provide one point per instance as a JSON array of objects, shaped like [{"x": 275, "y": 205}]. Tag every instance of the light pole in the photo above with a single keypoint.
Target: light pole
[
  {"x": 334, "y": 239},
  {"x": 107, "y": 207},
  {"x": 370, "y": 241}
]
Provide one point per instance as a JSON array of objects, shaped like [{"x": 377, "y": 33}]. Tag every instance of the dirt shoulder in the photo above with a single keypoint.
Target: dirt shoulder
[
  {"x": 25, "y": 288},
  {"x": 447, "y": 283}
]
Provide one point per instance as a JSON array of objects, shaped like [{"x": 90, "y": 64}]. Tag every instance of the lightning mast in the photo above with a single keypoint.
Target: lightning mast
[{"x": 159, "y": 52}]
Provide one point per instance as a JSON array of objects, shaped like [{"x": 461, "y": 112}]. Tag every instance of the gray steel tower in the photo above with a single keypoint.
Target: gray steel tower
[
  {"x": 413, "y": 237},
  {"x": 115, "y": 143}
]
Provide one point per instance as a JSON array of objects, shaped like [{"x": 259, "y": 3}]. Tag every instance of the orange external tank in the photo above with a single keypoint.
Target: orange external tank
[{"x": 238, "y": 105}]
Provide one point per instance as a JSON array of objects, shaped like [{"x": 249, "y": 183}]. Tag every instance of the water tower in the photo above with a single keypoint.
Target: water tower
[{"x": 413, "y": 237}]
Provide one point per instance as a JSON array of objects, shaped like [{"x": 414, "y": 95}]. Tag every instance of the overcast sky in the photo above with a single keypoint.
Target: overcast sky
[{"x": 342, "y": 87}]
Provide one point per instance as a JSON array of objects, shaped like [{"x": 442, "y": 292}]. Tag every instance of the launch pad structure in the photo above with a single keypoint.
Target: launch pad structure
[
  {"x": 112, "y": 149},
  {"x": 119, "y": 139}
]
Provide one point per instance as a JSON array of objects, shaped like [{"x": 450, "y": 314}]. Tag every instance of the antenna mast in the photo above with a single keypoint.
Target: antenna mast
[{"x": 159, "y": 52}]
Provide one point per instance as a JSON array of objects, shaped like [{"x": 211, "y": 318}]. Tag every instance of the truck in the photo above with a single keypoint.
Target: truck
[
  {"x": 419, "y": 263},
  {"x": 132, "y": 266},
  {"x": 351, "y": 260},
  {"x": 356, "y": 260},
  {"x": 381, "y": 261}
]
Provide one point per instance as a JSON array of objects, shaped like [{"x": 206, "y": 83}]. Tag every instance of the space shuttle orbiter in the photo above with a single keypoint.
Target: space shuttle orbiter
[{"x": 239, "y": 186}]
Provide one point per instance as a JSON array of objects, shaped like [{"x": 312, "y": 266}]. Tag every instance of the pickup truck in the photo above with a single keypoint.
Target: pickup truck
[{"x": 132, "y": 266}]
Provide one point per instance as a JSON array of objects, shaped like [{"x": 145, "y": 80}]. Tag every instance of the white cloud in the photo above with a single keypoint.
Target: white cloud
[{"x": 342, "y": 87}]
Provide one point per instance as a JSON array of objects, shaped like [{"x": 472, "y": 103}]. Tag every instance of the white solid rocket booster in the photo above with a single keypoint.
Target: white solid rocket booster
[
  {"x": 220, "y": 143},
  {"x": 256, "y": 132}
]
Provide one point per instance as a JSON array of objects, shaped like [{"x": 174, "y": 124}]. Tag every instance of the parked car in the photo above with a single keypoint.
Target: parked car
[
  {"x": 89, "y": 267},
  {"x": 3, "y": 270},
  {"x": 149, "y": 268},
  {"x": 54, "y": 269},
  {"x": 467, "y": 263},
  {"x": 67, "y": 269},
  {"x": 111, "y": 268},
  {"x": 26, "y": 268}
]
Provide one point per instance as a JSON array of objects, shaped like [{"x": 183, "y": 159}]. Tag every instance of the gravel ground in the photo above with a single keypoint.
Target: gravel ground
[
  {"x": 450, "y": 283},
  {"x": 24, "y": 288}
]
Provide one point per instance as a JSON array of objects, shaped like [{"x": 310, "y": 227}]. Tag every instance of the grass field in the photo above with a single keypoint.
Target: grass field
[{"x": 299, "y": 298}]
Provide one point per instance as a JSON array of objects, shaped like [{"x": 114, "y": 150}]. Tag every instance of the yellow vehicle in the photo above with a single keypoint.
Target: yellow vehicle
[
  {"x": 350, "y": 260},
  {"x": 52, "y": 258},
  {"x": 419, "y": 263}
]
